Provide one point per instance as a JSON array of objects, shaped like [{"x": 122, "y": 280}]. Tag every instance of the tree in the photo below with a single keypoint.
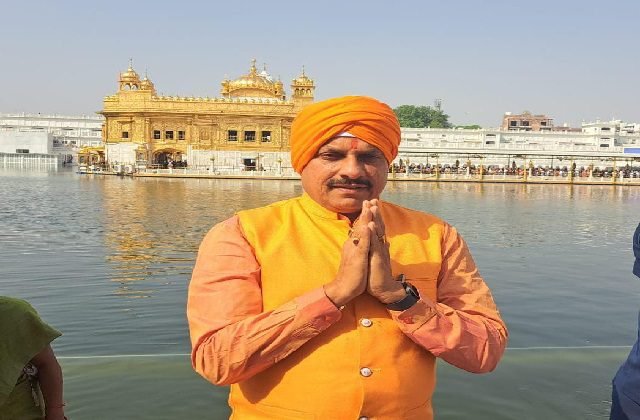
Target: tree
[
  {"x": 469, "y": 127},
  {"x": 413, "y": 116}
]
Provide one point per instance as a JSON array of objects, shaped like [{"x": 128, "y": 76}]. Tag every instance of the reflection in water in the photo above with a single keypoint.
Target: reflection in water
[{"x": 153, "y": 226}]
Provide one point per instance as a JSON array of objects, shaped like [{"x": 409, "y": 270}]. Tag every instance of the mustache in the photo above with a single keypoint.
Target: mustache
[{"x": 346, "y": 181}]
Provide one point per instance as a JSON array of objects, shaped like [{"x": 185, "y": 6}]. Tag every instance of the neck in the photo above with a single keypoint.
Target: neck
[{"x": 351, "y": 216}]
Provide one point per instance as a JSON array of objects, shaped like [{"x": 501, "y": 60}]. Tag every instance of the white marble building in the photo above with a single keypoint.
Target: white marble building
[
  {"x": 606, "y": 140},
  {"x": 68, "y": 133}
]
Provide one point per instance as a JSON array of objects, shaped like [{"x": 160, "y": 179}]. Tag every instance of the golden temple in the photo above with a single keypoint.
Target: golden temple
[{"x": 247, "y": 127}]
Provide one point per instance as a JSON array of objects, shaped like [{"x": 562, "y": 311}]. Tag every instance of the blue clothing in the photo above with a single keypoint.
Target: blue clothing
[
  {"x": 636, "y": 251},
  {"x": 625, "y": 399}
]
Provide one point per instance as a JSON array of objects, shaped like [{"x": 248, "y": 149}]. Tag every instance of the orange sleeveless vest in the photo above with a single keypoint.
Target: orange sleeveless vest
[{"x": 298, "y": 245}]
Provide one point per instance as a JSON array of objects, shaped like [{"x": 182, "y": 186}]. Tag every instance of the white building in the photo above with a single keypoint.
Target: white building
[
  {"x": 26, "y": 142},
  {"x": 613, "y": 139},
  {"x": 67, "y": 133}
]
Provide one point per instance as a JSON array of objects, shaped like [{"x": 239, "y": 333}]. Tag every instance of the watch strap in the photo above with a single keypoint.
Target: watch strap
[{"x": 408, "y": 301}]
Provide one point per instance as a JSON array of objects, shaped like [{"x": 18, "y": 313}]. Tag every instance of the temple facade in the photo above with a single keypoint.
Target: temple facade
[{"x": 246, "y": 128}]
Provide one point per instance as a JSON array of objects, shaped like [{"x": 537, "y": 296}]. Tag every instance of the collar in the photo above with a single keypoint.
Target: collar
[{"x": 315, "y": 208}]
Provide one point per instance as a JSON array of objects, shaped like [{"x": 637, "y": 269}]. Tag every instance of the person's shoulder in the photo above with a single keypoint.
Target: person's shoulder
[
  {"x": 272, "y": 207},
  {"x": 399, "y": 210}
]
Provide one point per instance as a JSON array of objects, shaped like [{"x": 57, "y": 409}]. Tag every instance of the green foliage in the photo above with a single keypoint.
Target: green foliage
[
  {"x": 413, "y": 116},
  {"x": 469, "y": 127}
]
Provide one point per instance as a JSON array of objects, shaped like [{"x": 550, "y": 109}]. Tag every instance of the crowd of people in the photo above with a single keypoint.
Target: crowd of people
[{"x": 514, "y": 170}]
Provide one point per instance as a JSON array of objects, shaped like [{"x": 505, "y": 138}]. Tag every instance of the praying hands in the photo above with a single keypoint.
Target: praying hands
[{"x": 365, "y": 264}]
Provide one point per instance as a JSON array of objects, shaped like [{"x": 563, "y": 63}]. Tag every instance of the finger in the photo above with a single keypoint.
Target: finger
[
  {"x": 359, "y": 236},
  {"x": 373, "y": 235},
  {"x": 378, "y": 241},
  {"x": 365, "y": 215},
  {"x": 365, "y": 237},
  {"x": 376, "y": 216}
]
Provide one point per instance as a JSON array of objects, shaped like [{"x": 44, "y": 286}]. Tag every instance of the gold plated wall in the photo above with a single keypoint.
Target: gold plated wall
[{"x": 253, "y": 114}]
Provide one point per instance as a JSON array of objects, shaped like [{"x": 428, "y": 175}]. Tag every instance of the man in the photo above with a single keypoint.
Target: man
[
  {"x": 625, "y": 400},
  {"x": 334, "y": 305}
]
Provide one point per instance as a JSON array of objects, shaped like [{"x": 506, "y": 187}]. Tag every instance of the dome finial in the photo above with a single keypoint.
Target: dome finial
[
  {"x": 130, "y": 64},
  {"x": 303, "y": 75},
  {"x": 253, "y": 67}
]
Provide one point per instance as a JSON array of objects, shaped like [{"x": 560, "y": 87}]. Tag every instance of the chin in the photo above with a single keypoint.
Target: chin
[{"x": 347, "y": 205}]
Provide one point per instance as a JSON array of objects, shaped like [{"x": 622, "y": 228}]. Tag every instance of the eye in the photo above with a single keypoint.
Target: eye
[
  {"x": 331, "y": 156},
  {"x": 369, "y": 158}
]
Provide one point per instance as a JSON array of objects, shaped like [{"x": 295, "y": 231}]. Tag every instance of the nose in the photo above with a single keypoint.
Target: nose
[{"x": 352, "y": 167}]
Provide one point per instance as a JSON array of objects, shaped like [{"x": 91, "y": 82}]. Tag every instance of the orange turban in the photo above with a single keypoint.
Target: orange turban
[{"x": 366, "y": 118}]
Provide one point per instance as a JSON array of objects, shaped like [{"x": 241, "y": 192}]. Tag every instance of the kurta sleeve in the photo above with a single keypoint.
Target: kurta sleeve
[
  {"x": 232, "y": 337},
  {"x": 463, "y": 327}
]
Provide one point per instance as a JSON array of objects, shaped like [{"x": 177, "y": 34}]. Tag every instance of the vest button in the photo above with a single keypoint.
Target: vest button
[
  {"x": 366, "y": 322},
  {"x": 363, "y": 418},
  {"x": 366, "y": 372}
]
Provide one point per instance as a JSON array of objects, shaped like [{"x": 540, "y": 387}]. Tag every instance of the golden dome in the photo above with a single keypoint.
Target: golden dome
[
  {"x": 130, "y": 75},
  {"x": 303, "y": 79},
  {"x": 253, "y": 85},
  {"x": 253, "y": 79},
  {"x": 146, "y": 84}
]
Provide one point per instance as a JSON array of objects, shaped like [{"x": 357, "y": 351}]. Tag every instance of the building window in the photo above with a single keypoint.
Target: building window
[
  {"x": 513, "y": 123},
  {"x": 265, "y": 136},
  {"x": 249, "y": 136},
  {"x": 180, "y": 135},
  {"x": 156, "y": 134},
  {"x": 125, "y": 134},
  {"x": 22, "y": 150},
  {"x": 232, "y": 135},
  {"x": 525, "y": 123},
  {"x": 168, "y": 135},
  {"x": 543, "y": 123}
]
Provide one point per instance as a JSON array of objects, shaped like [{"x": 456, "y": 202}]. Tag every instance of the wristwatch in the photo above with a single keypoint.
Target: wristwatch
[{"x": 409, "y": 300}]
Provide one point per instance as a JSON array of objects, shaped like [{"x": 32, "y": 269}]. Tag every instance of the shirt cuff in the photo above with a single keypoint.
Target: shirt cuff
[
  {"x": 318, "y": 309},
  {"x": 416, "y": 316}
]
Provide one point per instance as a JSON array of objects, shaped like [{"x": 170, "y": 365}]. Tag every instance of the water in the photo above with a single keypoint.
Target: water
[{"x": 107, "y": 261}]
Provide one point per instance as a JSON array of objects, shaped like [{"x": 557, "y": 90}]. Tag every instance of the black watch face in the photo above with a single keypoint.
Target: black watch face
[{"x": 412, "y": 290}]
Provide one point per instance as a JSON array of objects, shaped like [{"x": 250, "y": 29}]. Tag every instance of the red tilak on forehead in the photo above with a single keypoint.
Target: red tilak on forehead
[{"x": 354, "y": 144}]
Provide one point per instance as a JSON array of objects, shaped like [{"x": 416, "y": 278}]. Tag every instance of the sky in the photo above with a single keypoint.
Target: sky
[{"x": 572, "y": 60}]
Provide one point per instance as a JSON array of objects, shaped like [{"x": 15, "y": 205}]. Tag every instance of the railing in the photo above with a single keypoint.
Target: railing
[
  {"x": 533, "y": 175},
  {"x": 28, "y": 159},
  {"x": 235, "y": 172}
]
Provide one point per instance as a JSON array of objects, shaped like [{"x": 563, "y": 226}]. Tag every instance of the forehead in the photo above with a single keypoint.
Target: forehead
[{"x": 349, "y": 143}]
